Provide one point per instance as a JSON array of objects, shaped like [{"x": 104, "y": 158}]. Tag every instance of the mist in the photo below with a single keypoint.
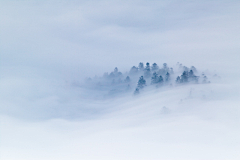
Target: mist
[{"x": 50, "y": 49}]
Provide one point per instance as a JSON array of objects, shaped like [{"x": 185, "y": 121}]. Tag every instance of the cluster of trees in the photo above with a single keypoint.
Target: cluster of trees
[
  {"x": 144, "y": 75},
  {"x": 148, "y": 70}
]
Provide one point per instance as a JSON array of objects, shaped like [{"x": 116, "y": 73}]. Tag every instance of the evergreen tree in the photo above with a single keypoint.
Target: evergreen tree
[
  {"x": 194, "y": 69},
  {"x": 205, "y": 79},
  {"x": 165, "y": 66},
  {"x": 147, "y": 70},
  {"x": 184, "y": 77},
  {"x": 133, "y": 70},
  {"x": 119, "y": 74},
  {"x": 141, "y": 66},
  {"x": 111, "y": 75},
  {"x": 178, "y": 80},
  {"x": 155, "y": 67},
  {"x": 115, "y": 73},
  {"x": 147, "y": 66},
  {"x": 141, "y": 82},
  {"x": 160, "y": 79},
  {"x": 192, "y": 77},
  {"x": 164, "y": 70},
  {"x": 185, "y": 68},
  {"x": 127, "y": 80},
  {"x": 191, "y": 74},
  {"x": 155, "y": 78},
  {"x": 115, "y": 70},
  {"x": 136, "y": 92},
  {"x": 167, "y": 77}
]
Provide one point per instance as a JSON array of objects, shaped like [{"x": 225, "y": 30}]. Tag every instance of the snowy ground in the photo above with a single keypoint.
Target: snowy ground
[{"x": 198, "y": 121}]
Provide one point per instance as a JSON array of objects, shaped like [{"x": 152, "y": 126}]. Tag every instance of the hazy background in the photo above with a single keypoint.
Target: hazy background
[{"x": 45, "y": 46}]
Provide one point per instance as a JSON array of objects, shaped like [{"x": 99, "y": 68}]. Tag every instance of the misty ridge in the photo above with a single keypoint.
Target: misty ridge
[{"x": 145, "y": 77}]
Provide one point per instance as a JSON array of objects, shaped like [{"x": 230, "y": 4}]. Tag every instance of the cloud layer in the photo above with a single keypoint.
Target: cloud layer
[{"x": 47, "y": 46}]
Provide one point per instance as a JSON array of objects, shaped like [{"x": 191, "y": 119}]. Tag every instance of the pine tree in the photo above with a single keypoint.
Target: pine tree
[
  {"x": 191, "y": 74},
  {"x": 136, "y": 92},
  {"x": 184, "y": 77},
  {"x": 111, "y": 75},
  {"x": 147, "y": 70},
  {"x": 115, "y": 70},
  {"x": 133, "y": 70},
  {"x": 141, "y": 82},
  {"x": 127, "y": 80},
  {"x": 194, "y": 69},
  {"x": 155, "y": 67},
  {"x": 141, "y": 66},
  {"x": 165, "y": 65},
  {"x": 160, "y": 79},
  {"x": 167, "y": 77},
  {"x": 155, "y": 78},
  {"x": 178, "y": 80},
  {"x": 185, "y": 68},
  {"x": 147, "y": 66},
  {"x": 205, "y": 79},
  {"x": 192, "y": 77}
]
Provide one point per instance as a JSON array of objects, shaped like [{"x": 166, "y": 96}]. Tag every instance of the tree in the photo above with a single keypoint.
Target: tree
[
  {"x": 185, "y": 68},
  {"x": 194, "y": 69},
  {"x": 155, "y": 67},
  {"x": 141, "y": 66},
  {"x": 147, "y": 70},
  {"x": 111, "y": 75},
  {"x": 165, "y": 65},
  {"x": 178, "y": 80},
  {"x": 160, "y": 79},
  {"x": 136, "y": 92},
  {"x": 115, "y": 70},
  {"x": 133, "y": 70},
  {"x": 127, "y": 80},
  {"x": 192, "y": 77},
  {"x": 147, "y": 66},
  {"x": 184, "y": 77},
  {"x": 191, "y": 74},
  {"x": 119, "y": 74},
  {"x": 167, "y": 77},
  {"x": 154, "y": 78},
  {"x": 205, "y": 79},
  {"x": 141, "y": 82}
]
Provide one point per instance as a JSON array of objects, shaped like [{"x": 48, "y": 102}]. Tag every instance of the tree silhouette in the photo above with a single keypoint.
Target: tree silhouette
[
  {"x": 141, "y": 82},
  {"x": 167, "y": 77},
  {"x": 141, "y": 66},
  {"x": 155, "y": 67},
  {"x": 147, "y": 70}
]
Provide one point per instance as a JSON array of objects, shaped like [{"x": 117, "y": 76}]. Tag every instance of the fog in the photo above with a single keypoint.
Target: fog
[{"x": 49, "y": 110}]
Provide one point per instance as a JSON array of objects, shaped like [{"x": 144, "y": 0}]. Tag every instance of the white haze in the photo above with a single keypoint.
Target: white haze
[{"x": 48, "y": 46}]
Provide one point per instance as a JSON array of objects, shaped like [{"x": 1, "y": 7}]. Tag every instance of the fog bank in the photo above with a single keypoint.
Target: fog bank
[{"x": 49, "y": 48}]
